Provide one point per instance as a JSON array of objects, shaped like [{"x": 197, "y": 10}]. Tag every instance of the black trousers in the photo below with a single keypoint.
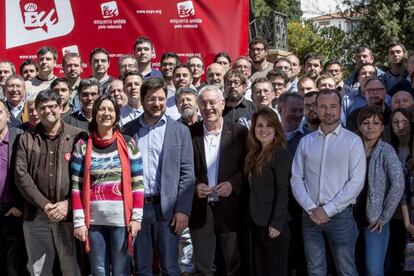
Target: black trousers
[
  {"x": 269, "y": 256},
  {"x": 13, "y": 256}
]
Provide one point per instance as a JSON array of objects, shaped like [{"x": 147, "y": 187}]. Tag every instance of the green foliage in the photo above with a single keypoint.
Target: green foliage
[
  {"x": 289, "y": 7},
  {"x": 382, "y": 22},
  {"x": 304, "y": 38}
]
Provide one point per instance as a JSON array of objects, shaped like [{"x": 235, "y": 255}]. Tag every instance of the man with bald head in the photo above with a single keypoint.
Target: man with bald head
[
  {"x": 116, "y": 90},
  {"x": 215, "y": 75},
  {"x": 402, "y": 99},
  {"x": 214, "y": 214}
]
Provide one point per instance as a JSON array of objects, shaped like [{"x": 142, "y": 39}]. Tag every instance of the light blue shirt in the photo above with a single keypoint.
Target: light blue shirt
[
  {"x": 150, "y": 143},
  {"x": 128, "y": 114}
]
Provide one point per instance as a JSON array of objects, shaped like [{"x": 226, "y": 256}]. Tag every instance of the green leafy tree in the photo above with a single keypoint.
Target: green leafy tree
[
  {"x": 304, "y": 38},
  {"x": 289, "y": 7},
  {"x": 382, "y": 22}
]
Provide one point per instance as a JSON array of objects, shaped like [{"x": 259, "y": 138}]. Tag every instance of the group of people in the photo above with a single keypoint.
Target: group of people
[{"x": 264, "y": 168}]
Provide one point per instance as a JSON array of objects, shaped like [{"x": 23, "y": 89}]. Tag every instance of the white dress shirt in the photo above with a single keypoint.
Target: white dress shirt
[
  {"x": 328, "y": 170},
  {"x": 212, "y": 152}
]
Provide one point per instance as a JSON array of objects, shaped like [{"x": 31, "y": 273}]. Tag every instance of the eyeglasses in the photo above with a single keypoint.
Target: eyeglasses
[
  {"x": 235, "y": 83},
  {"x": 51, "y": 107}
]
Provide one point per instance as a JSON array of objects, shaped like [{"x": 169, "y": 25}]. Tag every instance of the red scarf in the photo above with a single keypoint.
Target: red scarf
[{"x": 122, "y": 148}]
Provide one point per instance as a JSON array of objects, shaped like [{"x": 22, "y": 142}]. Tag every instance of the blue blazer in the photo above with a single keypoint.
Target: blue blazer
[{"x": 177, "y": 172}]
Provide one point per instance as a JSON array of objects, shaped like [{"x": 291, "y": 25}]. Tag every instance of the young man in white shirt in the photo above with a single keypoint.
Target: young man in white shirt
[{"x": 328, "y": 173}]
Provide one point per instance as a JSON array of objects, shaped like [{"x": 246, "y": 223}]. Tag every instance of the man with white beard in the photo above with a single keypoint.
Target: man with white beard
[{"x": 186, "y": 101}]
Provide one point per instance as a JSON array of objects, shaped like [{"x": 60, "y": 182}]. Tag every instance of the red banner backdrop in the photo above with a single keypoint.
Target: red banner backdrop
[{"x": 198, "y": 27}]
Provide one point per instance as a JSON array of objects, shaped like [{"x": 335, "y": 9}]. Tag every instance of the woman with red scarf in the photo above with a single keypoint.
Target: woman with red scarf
[{"x": 107, "y": 191}]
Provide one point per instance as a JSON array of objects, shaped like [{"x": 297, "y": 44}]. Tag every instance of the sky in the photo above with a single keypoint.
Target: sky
[{"x": 313, "y": 8}]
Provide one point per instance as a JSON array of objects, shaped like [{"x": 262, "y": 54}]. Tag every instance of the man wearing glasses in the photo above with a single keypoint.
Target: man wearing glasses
[
  {"x": 236, "y": 105},
  {"x": 258, "y": 50},
  {"x": 43, "y": 179},
  {"x": 88, "y": 91}
]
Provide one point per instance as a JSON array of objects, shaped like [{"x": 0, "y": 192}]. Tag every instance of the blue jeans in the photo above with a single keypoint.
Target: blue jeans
[
  {"x": 109, "y": 250},
  {"x": 341, "y": 232},
  {"x": 376, "y": 245},
  {"x": 158, "y": 231}
]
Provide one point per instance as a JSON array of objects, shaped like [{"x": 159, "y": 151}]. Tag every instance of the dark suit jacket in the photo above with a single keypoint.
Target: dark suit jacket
[
  {"x": 232, "y": 154},
  {"x": 269, "y": 192},
  {"x": 14, "y": 135},
  {"x": 177, "y": 171}
]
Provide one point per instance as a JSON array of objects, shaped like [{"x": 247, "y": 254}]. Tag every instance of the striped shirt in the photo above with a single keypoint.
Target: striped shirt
[{"x": 106, "y": 202}]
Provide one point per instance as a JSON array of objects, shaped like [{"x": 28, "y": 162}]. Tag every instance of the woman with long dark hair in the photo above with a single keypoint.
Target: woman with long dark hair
[
  {"x": 381, "y": 194},
  {"x": 268, "y": 164},
  {"x": 107, "y": 191},
  {"x": 401, "y": 133}
]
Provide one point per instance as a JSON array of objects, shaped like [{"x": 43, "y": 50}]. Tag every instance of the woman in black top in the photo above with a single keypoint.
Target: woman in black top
[{"x": 268, "y": 164}]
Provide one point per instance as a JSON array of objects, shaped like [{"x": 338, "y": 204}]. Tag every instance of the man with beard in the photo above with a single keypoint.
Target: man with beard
[
  {"x": 99, "y": 61},
  {"x": 61, "y": 86},
  {"x": 196, "y": 66},
  {"x": 236, "y": 105},
  {"x": 258, "y": 51},
  {"x": 279, "y": 80},
  {"x": 215, "y": 75},
  {"x": 182, "y": 77},
  {"x": 6, "y": 70},
  {"x": 88, "y": 91},
  {"x": 405, "y": 84},
  {"x": 186, "y": 101},
  {"x": 28, "y": 69},
  {"x": 396, "y": 59},
  {"x": 168, "y": 62},
  {"x": 313, "y": 65},
  {"x": 72, "y": 69},
  {"x": 290, "y": 108},
  {"x": 312, "y": 121},
  {"x": 167, "y": 153},
  {"x": 244, "y": 65},
  {"x": 294, "y": 74},
  {"x": 328, "y": 173},
  {"x": 116, "y": 90},
  {"x": 144, "y": 53},
  {"x": 375, "y": 93},
  {"x": 46, "y": 60},
  {"x": 132, "y": 86}
]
